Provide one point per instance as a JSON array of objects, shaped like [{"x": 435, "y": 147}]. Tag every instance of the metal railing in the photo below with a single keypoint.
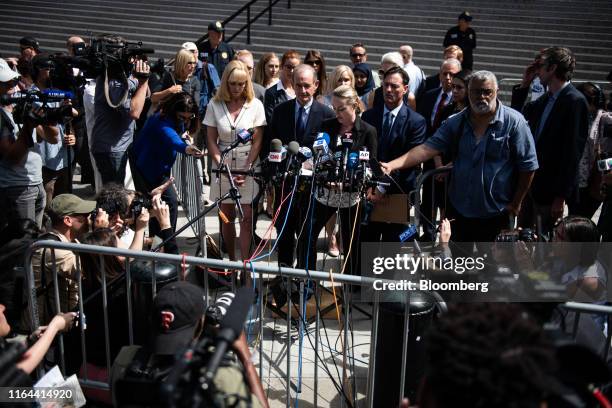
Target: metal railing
[
  {"x": 188, "y": 181},
  {"x": 257, "y": 269},
  {"x": 415, "y": 195},
  {"x": 249, "y": 21}
]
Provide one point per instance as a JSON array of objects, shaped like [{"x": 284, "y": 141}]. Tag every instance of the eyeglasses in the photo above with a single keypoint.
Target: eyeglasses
[
  {"x": 487, "y": 92},
  {"x": 289, "y": 67},
  {"x": 357, "y": 55}
]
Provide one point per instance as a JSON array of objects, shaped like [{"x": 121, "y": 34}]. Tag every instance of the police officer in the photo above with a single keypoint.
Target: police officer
[
  {"x": 219, "y": 52},
  {"x": 463, "y": 36}
]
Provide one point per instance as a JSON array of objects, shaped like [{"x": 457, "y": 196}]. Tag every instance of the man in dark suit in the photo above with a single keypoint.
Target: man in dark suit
[
  {"x": 559, "y": 121},
  {"x": 399, "y": 129},
  {"x": 296, "y": 120},
  {"x": 430, "y": 106}
]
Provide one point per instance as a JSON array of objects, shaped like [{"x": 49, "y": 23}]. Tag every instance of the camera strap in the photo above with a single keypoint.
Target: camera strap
[{"x": 107, "y": 93}]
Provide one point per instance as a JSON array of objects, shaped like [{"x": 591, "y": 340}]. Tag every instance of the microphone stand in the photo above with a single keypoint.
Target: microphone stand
[{"x": 233, "y": 193}]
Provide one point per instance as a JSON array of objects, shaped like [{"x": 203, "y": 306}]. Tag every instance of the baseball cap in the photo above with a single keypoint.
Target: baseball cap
[
  {"x": 6, "y": 73},
  {"x": 29, "y": 42},
  {"x": 68, "y": 204},
  {"x": 177, "y": 308},
  {"x": 216, "y": 26},
  {"x": 189, "y": 46},
  {"x": 465, "y": 16}
]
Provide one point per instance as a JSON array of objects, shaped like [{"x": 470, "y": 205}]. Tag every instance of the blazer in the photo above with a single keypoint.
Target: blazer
[
  {"x": 425, "y": 107},
  {"x": 408, "y": 131},
  {"x": 363, "y": 134},
  {"x": 282, "y": 125},
  {"x": 560, "y": 145},
  {"x": 272, "y": 98}
]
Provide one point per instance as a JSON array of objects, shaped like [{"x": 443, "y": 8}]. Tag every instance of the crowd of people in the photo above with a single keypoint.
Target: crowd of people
[{"x": 536, "y": 161}]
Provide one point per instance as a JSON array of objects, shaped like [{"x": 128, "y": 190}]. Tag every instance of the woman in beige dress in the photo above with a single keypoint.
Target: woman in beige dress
[{"x": 233, "y": 109}]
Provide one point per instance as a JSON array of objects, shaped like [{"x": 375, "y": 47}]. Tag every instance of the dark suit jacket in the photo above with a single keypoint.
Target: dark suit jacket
[
  {"x": 282, "y": 125},
  {"x": 272, "y": 98},
  {"x": 425, "y": 107},
  {"x": 432, "y": 82},
  {"x": 408, "y": 131},
  {"x": 561, "y": 143}
]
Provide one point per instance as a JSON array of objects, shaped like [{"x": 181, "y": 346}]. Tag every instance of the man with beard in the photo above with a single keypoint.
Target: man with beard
[
  {"x": 494, "y": 160},
  {"x": 69, "y": 220}
]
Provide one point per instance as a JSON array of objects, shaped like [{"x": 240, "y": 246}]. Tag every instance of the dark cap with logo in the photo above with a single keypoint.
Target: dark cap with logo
[
  {"x": 68, "y": 204},
  {"x": 177, "y": 309},
  {"x": 216, "y": 26},
  {"x": 465, "y": 16}
]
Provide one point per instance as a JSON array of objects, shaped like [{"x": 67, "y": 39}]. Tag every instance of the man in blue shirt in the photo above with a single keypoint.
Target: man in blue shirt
[{"x": 494, "y": 161}]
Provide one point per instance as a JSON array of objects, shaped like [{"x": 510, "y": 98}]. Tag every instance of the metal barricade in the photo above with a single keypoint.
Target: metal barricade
[
  {"x": 257, "y": 269},
  {"x": 188, "y": 181},
  {"x": 415, "y": 195},
  {"x": 590, "y": 308}
]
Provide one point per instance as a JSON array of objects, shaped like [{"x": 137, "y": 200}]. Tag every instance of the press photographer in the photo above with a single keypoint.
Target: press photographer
[
  {"x": 21, "y": 189},
  {"x": 121, "y": 90},
  {"x": 168, "y": 370}
]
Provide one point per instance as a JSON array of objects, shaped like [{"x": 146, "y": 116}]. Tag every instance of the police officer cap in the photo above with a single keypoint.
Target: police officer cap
[
  {"x": 216, "y": 26},
  {"x": 465, "y": 16}
]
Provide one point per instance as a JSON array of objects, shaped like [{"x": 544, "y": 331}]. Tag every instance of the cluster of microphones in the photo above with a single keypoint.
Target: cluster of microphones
[{"x": 341, "y": 166}]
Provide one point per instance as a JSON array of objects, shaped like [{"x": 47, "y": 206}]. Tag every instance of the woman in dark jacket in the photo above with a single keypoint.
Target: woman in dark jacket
[
  {"x": 346, "y": 125},
  {"x": 152, "y": 156}
]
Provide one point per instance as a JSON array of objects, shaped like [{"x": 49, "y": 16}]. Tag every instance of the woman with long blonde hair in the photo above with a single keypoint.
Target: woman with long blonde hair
[
  {"x": 234, "y": 109},
  {"x": 181, "y": 79}
]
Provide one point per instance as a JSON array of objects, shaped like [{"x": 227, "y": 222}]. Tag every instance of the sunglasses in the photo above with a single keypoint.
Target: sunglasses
[
  {"x": 355, "y": 55},
  {"x": 313, "y": 62}
]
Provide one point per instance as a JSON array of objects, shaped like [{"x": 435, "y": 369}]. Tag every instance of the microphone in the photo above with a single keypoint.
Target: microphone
[
  {"x": 347, "y": 143},
  {"x": 321, "y": 144},
  {"x": 304, "y": 154},
  {"x": 229, "y": 329},
  {"x": 293, "y": 149},
  {"x": 242, "y": 136},
  {"x": 353, "y": 161},
  {"x": 278, "y": 153}
]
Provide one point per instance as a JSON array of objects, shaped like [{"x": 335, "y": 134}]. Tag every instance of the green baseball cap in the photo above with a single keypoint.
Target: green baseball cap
[{"x": 68, "y": 204}]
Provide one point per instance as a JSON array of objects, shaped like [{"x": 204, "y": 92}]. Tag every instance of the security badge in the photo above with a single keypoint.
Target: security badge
[{"x": 224, "y": 55}]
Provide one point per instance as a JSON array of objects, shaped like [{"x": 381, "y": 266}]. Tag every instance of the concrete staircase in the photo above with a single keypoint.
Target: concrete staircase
[{"x": 509, "y": 32}]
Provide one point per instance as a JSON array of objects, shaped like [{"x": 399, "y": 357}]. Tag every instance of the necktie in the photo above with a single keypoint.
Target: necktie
[
  {"x": 300, "y": 125},
  {"x": 438, "y": 116},
  {"x": 386, "y": 130}
]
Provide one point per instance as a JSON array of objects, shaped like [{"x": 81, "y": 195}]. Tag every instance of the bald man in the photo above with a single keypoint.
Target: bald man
[{"x": 415, "y": 73}]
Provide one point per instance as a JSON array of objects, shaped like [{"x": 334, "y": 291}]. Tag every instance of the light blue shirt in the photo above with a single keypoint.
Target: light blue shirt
[{"x": 485, "y": 173}]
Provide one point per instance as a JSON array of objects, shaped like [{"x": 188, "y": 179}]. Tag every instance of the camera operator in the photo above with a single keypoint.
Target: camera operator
[
  {"x": 21, "y": 190},
  {"x": 179, "y": 317},
  {"x": 56, "y": 168},
  {"x": 113, "y": 128},
  {"x": 74, "y": 45}
]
